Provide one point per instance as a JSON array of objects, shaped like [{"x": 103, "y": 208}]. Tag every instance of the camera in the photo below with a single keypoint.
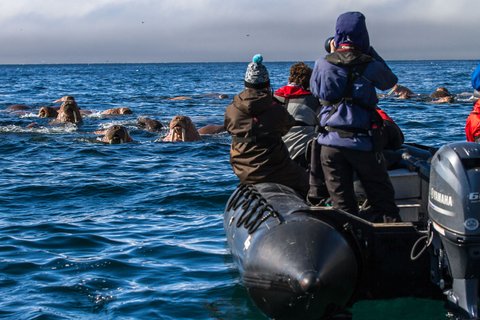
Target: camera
[{"x": 327, "y": 44}]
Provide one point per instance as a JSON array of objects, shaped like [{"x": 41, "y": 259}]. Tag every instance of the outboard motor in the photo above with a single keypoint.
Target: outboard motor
[{"x": 454, "y": 210}]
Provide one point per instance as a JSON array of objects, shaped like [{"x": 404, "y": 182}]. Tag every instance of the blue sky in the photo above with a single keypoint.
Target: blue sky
[{"x": 92, "y": 31}]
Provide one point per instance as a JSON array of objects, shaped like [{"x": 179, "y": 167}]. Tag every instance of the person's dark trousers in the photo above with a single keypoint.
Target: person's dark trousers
[
  {"x": 318, "y": 193},
  {"x": 339, "y": 165}
]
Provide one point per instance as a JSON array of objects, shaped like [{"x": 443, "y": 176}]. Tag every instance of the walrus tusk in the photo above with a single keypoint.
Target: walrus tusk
[
  {"x": 112, "y": 141},
  {"x": 183, "y": 134}
]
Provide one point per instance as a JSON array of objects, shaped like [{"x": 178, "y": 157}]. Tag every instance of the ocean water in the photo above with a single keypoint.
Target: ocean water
[{"x": 135, "y": 231}]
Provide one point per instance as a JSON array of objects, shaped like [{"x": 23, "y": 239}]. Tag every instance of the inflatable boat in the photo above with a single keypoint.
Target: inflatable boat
[{"x": 303, "y": 262}]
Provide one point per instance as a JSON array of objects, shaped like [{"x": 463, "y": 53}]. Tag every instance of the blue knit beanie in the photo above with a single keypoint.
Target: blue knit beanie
[{"x": 256, "y": 75}]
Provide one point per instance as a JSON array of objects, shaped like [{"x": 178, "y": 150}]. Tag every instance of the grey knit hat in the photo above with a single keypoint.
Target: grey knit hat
[{"x": 257, "y": 74}]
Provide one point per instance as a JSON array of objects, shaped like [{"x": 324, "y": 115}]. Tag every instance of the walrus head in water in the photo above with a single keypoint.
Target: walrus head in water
[
  {"x": 150, "y": 125},
  {"x": 117, "y": 111},
  {"x": 182, "y": 129},
  {"x": 402, "y": 92},
  {"x": 17, "y": 107},
  {"x": 48, "y": 112},
  {"x": 442, "y": 95},
  {"x": 69, "y": 111},
  {"x": 117, "y": 134}
]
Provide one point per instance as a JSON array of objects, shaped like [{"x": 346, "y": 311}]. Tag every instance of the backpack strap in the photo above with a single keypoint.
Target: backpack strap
[{"x": 354, "y": 72}]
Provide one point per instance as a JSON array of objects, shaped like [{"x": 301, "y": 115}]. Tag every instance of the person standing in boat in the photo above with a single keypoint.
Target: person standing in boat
[
  {"x": 304, "y": 107},
  {"x": 257, "y": 122},
  {"x": 345, "y": 82},
  {"x": 472, "y": 125}
]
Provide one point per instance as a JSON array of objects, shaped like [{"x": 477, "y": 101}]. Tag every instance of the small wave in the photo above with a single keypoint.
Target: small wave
[
  {"x": 68, "y": 128},
  {"x": 29, "y": 115}
]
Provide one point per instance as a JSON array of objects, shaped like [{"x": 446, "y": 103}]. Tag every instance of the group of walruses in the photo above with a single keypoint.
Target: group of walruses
[{"x": 181, "y": 128}]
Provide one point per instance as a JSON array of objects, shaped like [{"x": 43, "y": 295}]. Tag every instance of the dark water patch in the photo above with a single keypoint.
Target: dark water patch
[
  {"x": 94, "y": 267},
  {"x": 19, "y": 268},
  {"x": 7, "y": 282},
  {"x": 93, "y": 152},
  {"x": 8, "y": 314},
  {"x": 194, "y": 198},
  {"x": 45, "y": 314},
  {"x": 81, "y": 243},
  {"x": 146, "y": 306},
  {"x": 88, "y": 296},
  {"x": 101, "y": 190},
  {"x": 8, "y": 248},
  {"x": 46, "y": 228}
]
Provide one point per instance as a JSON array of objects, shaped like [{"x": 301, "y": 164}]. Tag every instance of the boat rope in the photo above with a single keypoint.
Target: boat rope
[
  {"x": 237, "y": 194},
  {"x": 428, "y": 237},
  {"x": 255, "y": 209}
]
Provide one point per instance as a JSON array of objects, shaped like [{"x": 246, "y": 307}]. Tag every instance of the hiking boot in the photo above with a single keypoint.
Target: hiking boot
[{"x": 318, "y": 196}]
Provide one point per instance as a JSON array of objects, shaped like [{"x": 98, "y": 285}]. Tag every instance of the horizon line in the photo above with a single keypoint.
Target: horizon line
[{"x": 201, "y": 62}]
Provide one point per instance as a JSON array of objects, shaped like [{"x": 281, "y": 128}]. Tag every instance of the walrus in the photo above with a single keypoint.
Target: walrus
[
  {"x": 442, "y": 95},
  {"x": 179, "y": 98},
  {"x": 117, "y": 111},
  {"x": 440, "y": 92},
  {"x": 211, "y": 129},
  {"x": 216, "y": 95},
  {"x": 402, "y": 92},
  {"x": 18, "y": 107},
  {"x": 48, "y": 112},
  {"x": 150, "y": 125},
  {"x": 206, "y": 95},
  {"x": 116, "y": 134},
  {"x": 68, "y": 112},
  {"x": 182, "y": 129}
]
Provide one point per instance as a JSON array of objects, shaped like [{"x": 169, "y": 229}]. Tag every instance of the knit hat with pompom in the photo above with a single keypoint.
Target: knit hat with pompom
[{"x": 257, "y": 74}]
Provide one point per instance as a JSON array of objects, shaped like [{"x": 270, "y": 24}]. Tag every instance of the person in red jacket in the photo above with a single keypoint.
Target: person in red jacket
[
  {"x": 304, "y": 107},
  {"x": 472, "y": 126}
]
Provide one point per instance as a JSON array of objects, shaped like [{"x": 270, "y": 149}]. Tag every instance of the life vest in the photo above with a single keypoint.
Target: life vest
[
  {"x": 384, "y": 115},
  {"x": 304, "y": 107},
  {"x": 392, "y": 135},
  {"x": 350, "y": 118}
]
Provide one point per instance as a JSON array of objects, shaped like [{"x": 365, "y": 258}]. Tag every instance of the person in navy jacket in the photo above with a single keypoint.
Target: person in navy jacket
[{"x": 345, "y": 82}]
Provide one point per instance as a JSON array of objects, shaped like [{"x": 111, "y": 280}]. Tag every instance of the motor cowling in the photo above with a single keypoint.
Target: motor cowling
[
  {"x": 454, "y": 209},
  {"x": 454, "y": 193}
]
